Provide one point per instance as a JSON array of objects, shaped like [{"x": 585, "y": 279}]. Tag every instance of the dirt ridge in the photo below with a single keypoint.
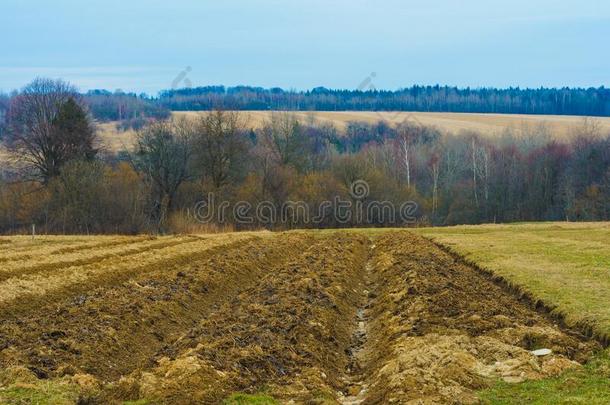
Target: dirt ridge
[{"x": 583, "y": 326}]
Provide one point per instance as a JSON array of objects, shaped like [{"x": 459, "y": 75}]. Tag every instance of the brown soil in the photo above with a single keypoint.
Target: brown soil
[
  {"x": 442, "y": 330},
  {"x": 290, "y": 333},
  {"x": 122, "y": 249},
  {"x": 324, "y": 318},
  {"x": 111, "y": 330}
]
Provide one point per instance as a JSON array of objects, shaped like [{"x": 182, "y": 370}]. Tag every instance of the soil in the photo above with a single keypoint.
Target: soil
[
  {"x": 116, "y": 328},
  {"x": 304, "y": 317},
  {"x": 441, "y": 330}
]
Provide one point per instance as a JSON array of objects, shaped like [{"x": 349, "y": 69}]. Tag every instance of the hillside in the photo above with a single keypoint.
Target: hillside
[{"x": 557, "y": 126}]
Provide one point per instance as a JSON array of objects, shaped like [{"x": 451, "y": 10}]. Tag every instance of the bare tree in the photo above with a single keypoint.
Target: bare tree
[
  {"x": 285, "y": 141},
  {"x": 405, "y": 139},
  {"x": 220, "y": 145},
  {"x": 434, "y": 163},
  {"x": 480, "y": 160},
  {"x": 163, "y": 155},
  {"x": 48, "y": 127},
  {"x": 4, "y": 106},
  {"x": 409, "y": 136}
]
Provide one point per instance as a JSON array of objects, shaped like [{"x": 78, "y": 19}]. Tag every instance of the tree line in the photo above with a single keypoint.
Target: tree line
[
  {"x": 135, "y": 110},
  {"x": 64, "y": 183},
  {"x": 131, "y": 110},
  {"x": 564, "y": 101}
]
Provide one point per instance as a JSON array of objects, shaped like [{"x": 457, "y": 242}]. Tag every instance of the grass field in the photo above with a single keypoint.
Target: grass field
[
  {"x": 113, "y": 139},
  {"x": 5, "y": 157},
  {"x": 559, "y": 127},
  {"x": 344, "y": 317}
]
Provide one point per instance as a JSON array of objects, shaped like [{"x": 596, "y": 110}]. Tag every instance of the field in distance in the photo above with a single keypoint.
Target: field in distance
[
  {"x": 345, "y": 317},
  {"x": 559, "y": 126}
]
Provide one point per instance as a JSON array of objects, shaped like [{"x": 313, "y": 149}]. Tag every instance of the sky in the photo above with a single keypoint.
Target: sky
[{"x": 150, "y": 45}]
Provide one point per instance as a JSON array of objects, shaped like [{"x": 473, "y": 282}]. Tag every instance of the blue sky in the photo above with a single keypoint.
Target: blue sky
[{"x": 143, "y": 45}]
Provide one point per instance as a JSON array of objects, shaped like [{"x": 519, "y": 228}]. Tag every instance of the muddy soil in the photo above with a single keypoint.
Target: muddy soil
[
  {"x": 290, "y": 335},
  {"x": 441, "y": 330},
  {"x": 111, "y": 330},
  {"x": 307, "y": 318}
]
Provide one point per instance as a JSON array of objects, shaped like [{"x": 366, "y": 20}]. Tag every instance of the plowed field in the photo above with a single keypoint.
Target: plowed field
[{"x": 300, "y": 317}]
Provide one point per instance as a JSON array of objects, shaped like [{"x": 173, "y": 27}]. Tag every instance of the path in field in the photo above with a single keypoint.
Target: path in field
[{"x": 355, "y": 379}]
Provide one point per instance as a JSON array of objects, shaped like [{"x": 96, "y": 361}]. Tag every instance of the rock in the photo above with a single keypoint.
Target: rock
[{"x": 541, "y": 352}]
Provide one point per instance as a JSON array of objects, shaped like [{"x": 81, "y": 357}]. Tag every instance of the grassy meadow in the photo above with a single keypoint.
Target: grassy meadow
[{"x": 560, "y": 127}]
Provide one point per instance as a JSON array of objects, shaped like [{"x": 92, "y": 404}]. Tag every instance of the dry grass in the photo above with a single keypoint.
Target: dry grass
[
  {"x": 23, "y": 248},
  {"x": 558, "y": 126},
  {"x": 91, "y": 269},
  {"x": 566, "y": 265},
  {"x": 4, "y": 154},
  {"x": 43, "y": 260},
  {"x": 112, "y": 139}
]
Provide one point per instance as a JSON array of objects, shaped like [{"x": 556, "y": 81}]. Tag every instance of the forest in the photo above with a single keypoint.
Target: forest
[
  {"x": 564, "y": 101},
  {"x": 61, "y": 180},
  {"x": 133, "y": 110}
]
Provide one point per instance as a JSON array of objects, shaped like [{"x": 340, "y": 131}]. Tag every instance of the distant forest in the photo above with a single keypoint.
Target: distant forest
[
  {"x": 565, "y": 101},
  {"x": 136, "y": 110}
]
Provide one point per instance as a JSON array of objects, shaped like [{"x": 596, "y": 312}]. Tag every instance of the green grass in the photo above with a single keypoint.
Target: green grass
[
  {"x": 245, "y": 399},
  {"x": 41, "y": 393},
  {"x": 589, "y": 385},
  {"x": 566, "y": 265}
]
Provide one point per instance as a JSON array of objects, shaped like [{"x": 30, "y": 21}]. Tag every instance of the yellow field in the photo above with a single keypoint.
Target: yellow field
[
  {"x": 4, "y": 155},
  {"x": 488, "y": 124},
  {"x": 112, "y": 139},
  {"x": 556, "y": 126}
]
